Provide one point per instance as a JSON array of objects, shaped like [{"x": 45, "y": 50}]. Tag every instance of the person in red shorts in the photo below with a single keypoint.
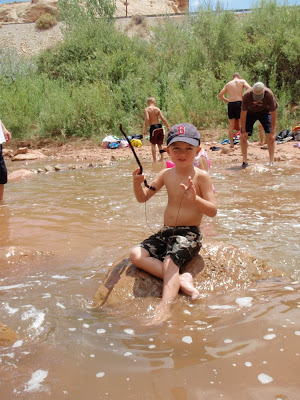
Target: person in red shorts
[{"x": 153, "y": 115}]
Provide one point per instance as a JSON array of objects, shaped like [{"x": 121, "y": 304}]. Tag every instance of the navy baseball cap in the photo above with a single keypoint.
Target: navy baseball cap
[{"x": 184, "y": 132}]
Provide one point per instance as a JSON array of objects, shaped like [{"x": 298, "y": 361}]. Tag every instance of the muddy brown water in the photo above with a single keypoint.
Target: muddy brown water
[{"x": 235, "y": 345}]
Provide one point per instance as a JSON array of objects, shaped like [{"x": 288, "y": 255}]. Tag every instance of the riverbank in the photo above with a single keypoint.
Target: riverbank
[{"x": 87, "y": 151}]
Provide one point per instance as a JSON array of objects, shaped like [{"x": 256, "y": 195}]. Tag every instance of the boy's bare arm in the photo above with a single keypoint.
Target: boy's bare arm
[
  {"x": 143, "y": 194},
  {"x": 146, "y": 121},
  {"x": 162, "y": 117}
]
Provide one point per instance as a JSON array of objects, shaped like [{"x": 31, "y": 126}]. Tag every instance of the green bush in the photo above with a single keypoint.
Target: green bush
[
  {"x": 99, "y": 77},
  {"x": 46, "y": 21}
]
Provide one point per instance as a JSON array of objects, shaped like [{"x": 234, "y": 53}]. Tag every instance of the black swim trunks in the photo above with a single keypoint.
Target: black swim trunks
[
  {"x": 181, "y": 243},
  {"x": 263, "y": 117},
  {"x": 234, "y": 109},
  {"x": 3, "y": 170},
  {"x": 156, "y": 134}
]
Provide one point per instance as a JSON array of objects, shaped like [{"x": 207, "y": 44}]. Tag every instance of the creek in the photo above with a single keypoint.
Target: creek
[{"x": 235, "y": 345}]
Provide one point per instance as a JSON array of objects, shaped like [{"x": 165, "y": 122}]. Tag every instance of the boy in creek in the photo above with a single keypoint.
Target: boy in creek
[
  {"x": 153, "y": 115},
  {"x": 190, "y": 195}
]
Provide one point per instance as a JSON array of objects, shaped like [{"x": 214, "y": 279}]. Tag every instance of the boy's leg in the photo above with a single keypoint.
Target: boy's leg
[
  {"x": 153, "y": 151},
  {"x": 161, "y": 152},
  {"x": 171, "y": 285},
  {"x": 187, "y": 285},
  {"x": 141, "y": 258}
]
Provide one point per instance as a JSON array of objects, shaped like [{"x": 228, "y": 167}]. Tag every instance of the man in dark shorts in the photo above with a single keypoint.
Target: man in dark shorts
[
  {"x": 153, "y": 115},
  {"x": 234, "y": 90},
  {"x": 5, "y": 135},
  {"x": 259, "y": 103}
]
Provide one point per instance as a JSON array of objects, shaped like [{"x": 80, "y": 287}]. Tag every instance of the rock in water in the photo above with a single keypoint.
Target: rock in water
[
  {"x": 7, "y": 336},
  {"x": 218, "y": 266}
]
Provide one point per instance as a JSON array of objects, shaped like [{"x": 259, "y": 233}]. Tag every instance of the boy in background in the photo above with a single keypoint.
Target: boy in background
[{"x": 153, "y": 115}]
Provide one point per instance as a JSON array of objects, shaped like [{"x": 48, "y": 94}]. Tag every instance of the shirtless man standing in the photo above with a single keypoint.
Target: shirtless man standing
[
  {"x": 152, "y": 116},
  {"x": 234, "y": 89}
]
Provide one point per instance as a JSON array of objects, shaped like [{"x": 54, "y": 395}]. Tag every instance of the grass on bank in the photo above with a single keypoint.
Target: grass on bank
[{"x": 99, "y": 77}]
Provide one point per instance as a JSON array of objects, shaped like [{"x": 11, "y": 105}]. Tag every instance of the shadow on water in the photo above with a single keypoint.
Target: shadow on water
[{"x": 63, "y": 231}]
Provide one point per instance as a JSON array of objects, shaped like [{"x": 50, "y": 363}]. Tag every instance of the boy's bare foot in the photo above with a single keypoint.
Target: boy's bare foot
[
  {"x": 161, "y": 314},
  {"x": 187, "y": 285}
]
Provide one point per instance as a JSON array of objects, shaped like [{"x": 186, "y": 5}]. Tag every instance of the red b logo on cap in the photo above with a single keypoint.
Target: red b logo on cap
[{"x": 181, "y": 130}]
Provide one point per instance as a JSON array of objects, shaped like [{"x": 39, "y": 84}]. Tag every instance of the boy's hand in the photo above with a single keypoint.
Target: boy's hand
[
  {"x": 189, "y": 190},
  {"x": 137, "y": 176}
]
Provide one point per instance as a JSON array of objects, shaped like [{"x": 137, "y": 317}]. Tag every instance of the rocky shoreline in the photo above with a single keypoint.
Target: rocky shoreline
[{"x": 79, "y": 154}]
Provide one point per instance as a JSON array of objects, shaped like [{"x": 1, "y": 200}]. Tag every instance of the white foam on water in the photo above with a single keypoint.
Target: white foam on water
[
  {"x": 129, "y": 331},
  {"x": 9, "y": 309},
  {"x": 99, "y": 331},
  {"x": 100, "y": 374},
  {"x": 85, "y": 325},
  {"x": 200, "y": 322},
  {"x": 34, "y": 384},
  {"x": 151, "y": 346},
  {"x": 297, "y": 333},
  {"x": 10, "y": 287},
  {"x": 37, "y": 316},
  {"x": 187, "y": 312},
  {"x": 289, "y": 288},
  {"x": 270, "y": 336},
  {"x": 248, "y": 364},
  {"x": 72, "y": 329},
  {"x": 221, "y": 307},
  {"x": 60, "y": 305},
  {"x": 264, "y": 378},
  {"x": 228, "y": 341},
  {"x": 244, "y": 301},
  {"x": 9, "y": 355},
  {"x": 187, "y": 339},
  {"x": 18, "y": 343},
  {"x": 127, "y": 354},
  {"x": 46, "y": 296},
  {"x": 59, "y": 277}
]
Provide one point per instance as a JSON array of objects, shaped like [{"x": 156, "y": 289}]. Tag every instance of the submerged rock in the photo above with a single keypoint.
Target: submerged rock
[
  {"x": 20, "y": 174},
  {"x": 217, "y": 267},
  {"x": 20, "y": 255},
  {"x": 7, "y": 336}
]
